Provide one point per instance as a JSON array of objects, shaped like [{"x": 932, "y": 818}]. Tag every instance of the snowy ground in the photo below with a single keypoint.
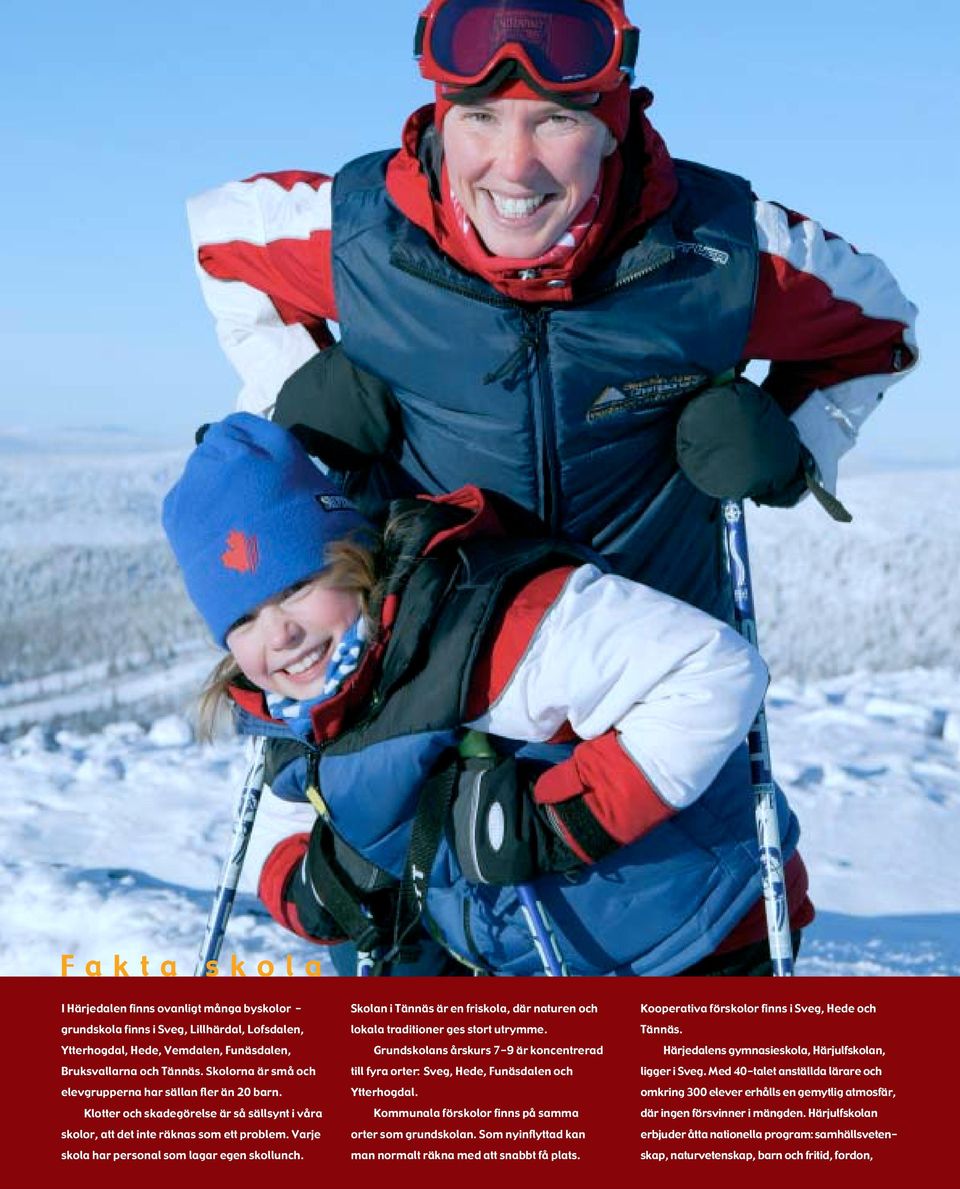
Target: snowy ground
[
  {"x": 112, "y": 836},
  {"x": 112, "y": 840}
]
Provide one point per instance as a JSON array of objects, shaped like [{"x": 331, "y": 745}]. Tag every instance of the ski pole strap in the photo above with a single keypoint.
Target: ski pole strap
[
  {"x": 339, "y": 899},
  {"x": 433, "y": 808},
  {"x": 830, "y": 504}
]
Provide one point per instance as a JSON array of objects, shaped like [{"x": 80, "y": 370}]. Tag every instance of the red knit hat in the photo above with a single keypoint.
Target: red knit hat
[{"x": 613, "y": 107}]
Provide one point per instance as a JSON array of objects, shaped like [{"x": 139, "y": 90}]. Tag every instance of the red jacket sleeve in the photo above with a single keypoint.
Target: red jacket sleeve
[
  {"x": 825, "y": 313},
  {"x": 598, "y": 798}
]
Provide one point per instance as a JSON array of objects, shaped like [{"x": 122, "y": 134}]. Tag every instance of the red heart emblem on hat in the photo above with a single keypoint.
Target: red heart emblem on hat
[{"x": 243, "y": 553}]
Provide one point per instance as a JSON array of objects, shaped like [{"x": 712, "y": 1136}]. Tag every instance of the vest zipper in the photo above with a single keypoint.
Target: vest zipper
[
  {"x": 424, "y": 274},
  {"x": 532, "y": 339},
  {"x": 535, "y": 322},
  {"x": 668, "y": 257}
]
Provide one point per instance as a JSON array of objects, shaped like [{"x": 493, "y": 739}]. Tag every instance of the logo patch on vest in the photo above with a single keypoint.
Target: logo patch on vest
[
  {"x": 636, "y": 395},
  {"x": 715, "y": 255}
]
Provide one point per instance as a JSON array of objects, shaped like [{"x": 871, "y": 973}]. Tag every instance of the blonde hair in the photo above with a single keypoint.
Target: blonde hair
[{"x": 346, "y": 566}]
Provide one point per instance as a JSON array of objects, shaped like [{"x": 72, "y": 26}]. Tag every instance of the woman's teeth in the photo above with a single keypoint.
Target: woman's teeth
[
  {"x": 516, "y": 208},
  {"x": 306, "y": 662}
]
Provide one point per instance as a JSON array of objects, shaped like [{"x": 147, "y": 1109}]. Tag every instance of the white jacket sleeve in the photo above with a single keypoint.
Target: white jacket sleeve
[
  {"x": 261, "y": 250},
  {"x": 835, "y": 326},
  {"x": 661, "y": 693},
  {"x": 276, "y": 820}
]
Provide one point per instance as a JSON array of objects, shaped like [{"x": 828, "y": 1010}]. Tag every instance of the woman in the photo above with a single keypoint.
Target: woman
[
  {"x": 546, "y": 304},
  {"x": 543, "y": 289}
]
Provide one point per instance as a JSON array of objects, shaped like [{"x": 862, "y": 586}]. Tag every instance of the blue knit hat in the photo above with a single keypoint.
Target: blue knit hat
[{"x": 250, "y": 516}]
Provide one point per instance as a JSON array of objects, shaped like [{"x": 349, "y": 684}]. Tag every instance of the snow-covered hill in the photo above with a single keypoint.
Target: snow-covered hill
[
  {"x": 92, "y": 603},
  {"x": 90, "y": 598},
  {"x": 877, "y": 594},
  {"x": 113, "y": 834}
]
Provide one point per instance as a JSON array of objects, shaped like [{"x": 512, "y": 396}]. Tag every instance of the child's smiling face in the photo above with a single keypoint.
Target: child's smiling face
[{"x": 285, "y": 645}]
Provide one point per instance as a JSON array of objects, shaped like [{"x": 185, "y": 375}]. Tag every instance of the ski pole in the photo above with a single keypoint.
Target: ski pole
[
  {"x": 365, "y": 963},
  {"x": 367, "y": 958},
  {"x": 543, "y": 936},
  {"x": 761, "y": 774},
  {"x": 233, "y": 864}
]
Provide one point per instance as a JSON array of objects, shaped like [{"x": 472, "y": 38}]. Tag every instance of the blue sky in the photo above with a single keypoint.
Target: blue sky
[{"x": 112, "y": 114}]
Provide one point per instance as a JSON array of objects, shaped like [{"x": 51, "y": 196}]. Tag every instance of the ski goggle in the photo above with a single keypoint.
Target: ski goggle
[{"x": 564, "y": 45}]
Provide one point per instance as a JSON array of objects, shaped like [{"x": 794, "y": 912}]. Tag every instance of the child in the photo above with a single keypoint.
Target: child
[{"x": 368, "y": 661}]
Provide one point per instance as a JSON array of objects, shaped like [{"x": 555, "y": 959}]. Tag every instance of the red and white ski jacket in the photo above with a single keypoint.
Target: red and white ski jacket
[
  {"x": 655, "y": 694},
  {"x": 831, "y": 320},
  {"x": 658, "y": 693}
]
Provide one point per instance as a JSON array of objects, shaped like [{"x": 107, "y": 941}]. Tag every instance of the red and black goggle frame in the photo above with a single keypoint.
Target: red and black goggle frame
[{"x": 564, "y": 46}]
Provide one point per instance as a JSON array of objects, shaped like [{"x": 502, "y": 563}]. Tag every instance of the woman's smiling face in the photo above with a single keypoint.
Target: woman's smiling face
[{"x": 523, "y": 169}]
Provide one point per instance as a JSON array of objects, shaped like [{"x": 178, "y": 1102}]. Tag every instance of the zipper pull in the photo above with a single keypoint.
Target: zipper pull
[
  {"x": 313, "y": 785},
  {"x": 530, "y": 338}
]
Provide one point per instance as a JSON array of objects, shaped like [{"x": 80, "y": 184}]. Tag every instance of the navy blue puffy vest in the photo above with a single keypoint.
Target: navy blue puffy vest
[{"x": 579, "y": 425}]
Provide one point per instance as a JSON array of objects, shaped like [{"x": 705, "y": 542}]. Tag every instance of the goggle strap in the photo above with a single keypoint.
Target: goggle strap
[{"x": 631, "y": 48}]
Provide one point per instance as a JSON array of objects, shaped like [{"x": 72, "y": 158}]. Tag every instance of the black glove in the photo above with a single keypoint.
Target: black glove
[
  {"x": 338, "y": 893},
  {"x": 343, "y": 415},
  {"x": 501, "y": 835},
  {"x": 734, "y": 442},
  {"x": 311, "y": 912}
]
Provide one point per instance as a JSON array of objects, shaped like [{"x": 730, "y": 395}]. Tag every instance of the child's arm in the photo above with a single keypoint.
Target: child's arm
[
  {"x": 659, "y": 693},
  {"x": 278, "y": 847}
]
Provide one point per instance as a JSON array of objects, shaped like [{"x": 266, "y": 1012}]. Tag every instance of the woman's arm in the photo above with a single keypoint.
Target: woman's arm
[
  {"x": 660, "y": 695},
  {"x": 277, "y": 849},
  {"x": 835, "y": 326},
  {"x": 262, "y": 249}
]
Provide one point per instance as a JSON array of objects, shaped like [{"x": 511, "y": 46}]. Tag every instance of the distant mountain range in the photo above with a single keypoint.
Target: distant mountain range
[
  {"x": 87, "y": 579},
  {"x": 100, "y": 439}
]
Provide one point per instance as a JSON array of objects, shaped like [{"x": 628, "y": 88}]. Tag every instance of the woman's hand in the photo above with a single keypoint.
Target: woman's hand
[{"x": 735, "y": 442}]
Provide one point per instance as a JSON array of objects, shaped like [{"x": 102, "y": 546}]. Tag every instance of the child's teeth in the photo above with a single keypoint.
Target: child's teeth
[
  {"x": 302, "y": 665},
  {"x": 516, "y": 208}
]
